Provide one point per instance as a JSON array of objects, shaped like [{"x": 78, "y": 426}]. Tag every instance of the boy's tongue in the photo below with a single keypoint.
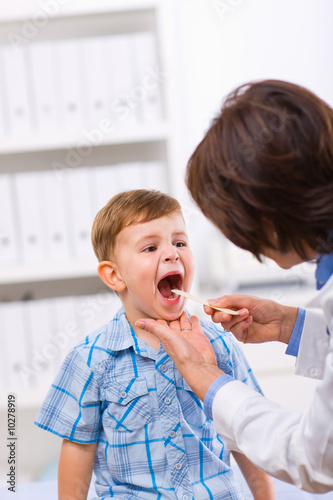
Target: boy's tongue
[{"x": 165, "y": 287}]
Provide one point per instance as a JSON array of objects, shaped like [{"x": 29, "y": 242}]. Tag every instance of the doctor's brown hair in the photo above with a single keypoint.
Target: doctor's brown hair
[
  {"x": 125, "y": 209},
  {"x": 266, "y": 166}
]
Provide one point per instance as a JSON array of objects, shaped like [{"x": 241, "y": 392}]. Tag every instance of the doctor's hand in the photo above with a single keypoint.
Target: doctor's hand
[
  {"x": 260, "y": 320},
  {"x": 190, "y": 349}
]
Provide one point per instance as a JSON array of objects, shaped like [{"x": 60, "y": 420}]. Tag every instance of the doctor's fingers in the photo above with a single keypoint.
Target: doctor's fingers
[
  {"x": 238, "y": 328},
  {"x": 175, "y": 325},
  {"x": 159, "y": 327},
  {"x": 222, "y": 317},
  {"x": 182, "y": 323},
  {"x": 185, "y": 322}
]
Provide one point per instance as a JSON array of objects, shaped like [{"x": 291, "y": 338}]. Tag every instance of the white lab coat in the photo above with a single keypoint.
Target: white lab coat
[{"x": 294, "y": 447}]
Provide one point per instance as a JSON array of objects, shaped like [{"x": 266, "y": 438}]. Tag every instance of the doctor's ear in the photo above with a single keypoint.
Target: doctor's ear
[{"x": 109, "y": 274}]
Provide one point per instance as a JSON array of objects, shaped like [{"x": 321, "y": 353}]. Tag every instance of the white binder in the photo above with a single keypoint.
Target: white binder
[
  {"x": 18, "y": 90},
  {"x": 44, "y": 350},
  {"x": 120, "y": 74},
  {"x": 8, "y": 223},
  {"x": 66, "y": 328},
  {"x": 148, "y": 77},
  {"x": 55, "y": 207},
  {"x": 44, "y": 87},
  {"x": 4, "y": 352},
  {"x": 81, "y": 211},
  {"x": 67, "y": 60},
  {"x": 110, "y": 180},
  {"x": 31, "y": 213},
  {"x": 155, "y": 176},
  {"x": 4, "y": 127},
  {"x": 105, "y": 185},
  {"x": 130, "y": 176},
  {"x": 95, "y": 77},
  {"x": 17, "y": 346},
  {"x": 94, "y": 311}
]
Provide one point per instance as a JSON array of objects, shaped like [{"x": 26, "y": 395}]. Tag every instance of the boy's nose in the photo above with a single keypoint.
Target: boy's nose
[{"x": 171, "y": 255}]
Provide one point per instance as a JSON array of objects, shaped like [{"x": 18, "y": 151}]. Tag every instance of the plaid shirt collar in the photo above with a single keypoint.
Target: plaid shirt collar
[{"x": 127, "y": 338}]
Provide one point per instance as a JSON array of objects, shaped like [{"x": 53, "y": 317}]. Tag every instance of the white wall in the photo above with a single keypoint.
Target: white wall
[
  {"x": 227, "y": 43},
  {"x": 255, "y": 39}
]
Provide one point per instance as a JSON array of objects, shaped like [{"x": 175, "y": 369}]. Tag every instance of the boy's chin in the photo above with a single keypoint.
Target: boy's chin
[{"x": 171, "y": 316}]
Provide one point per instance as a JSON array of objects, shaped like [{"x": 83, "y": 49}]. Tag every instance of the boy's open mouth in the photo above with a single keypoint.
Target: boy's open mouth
[{"x": 167, "y": 283}]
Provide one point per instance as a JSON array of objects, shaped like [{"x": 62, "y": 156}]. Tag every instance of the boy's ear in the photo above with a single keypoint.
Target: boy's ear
[{"x": 108, "y": 273}]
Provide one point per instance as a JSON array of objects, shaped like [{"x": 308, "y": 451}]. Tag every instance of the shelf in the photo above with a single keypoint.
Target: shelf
[
  {"x": 83, "y": 139},
  {"x": 27, "y": 398},
  {"x": 49, "y": 271},
  {"x": 24, "y": 9}
]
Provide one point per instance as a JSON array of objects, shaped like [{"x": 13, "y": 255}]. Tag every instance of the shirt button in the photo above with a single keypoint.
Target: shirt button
[
  {"x": 179, "y": 466},
  {"x": 164, "y": 368},
  {"x": 313, "y": 371},
  {"x": 172, "y": 434},
  {"x": 123, "y": 394},
  {"x": 167, "y": 401},
  {"x": 186, "y": 497}
]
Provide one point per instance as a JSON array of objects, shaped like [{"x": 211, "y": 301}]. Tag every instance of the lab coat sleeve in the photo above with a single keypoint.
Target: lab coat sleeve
[
  {"x": 314, "y": 345},
  {"x": 293, "y": 447}
]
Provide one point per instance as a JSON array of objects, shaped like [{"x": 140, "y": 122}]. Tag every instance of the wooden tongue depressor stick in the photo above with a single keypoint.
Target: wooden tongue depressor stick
[{"x": 204, "y": 302}]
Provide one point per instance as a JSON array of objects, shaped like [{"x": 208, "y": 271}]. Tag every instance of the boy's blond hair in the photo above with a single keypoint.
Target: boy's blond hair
[{"x": 125, "y": 209}]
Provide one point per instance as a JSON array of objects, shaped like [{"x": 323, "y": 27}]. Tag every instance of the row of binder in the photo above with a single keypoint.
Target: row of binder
[
  {"x": 46, "y": 216},
  {"x": 37, "y": 334},
  {"x": 73, "y": 84}
]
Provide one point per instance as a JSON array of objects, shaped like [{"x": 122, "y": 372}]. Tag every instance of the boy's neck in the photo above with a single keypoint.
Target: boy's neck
[{"x": 147, "y": 337}]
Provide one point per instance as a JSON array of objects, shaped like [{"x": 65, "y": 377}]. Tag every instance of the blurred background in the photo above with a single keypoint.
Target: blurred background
[{"x": 101, "y": 96}]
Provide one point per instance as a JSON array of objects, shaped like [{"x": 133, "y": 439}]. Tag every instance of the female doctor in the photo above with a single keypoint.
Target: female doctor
[{"x": 263, "y": 174}]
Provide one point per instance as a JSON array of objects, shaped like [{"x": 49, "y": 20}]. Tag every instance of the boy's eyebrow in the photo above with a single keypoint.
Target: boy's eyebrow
[{"x": 155, "y": 235}]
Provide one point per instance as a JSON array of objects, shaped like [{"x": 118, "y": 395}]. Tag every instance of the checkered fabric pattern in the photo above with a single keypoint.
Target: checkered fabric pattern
[{"x": 154, "y": 440}]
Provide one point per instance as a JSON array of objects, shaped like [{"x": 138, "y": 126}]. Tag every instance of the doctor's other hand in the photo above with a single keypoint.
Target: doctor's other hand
[
  {"x": 190, "y": 349},
  {"x": 259, "y": 320}
]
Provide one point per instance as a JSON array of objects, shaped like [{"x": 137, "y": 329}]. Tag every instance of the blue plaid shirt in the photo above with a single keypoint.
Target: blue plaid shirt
[{"x": 154, "y": 439}]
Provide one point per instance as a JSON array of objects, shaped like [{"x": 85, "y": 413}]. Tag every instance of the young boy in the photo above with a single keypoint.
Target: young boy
[{"x": 118, "y": 401}]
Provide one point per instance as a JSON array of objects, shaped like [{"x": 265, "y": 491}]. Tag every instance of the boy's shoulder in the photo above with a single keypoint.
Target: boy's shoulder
[
  {"x": 218, "y": 336},
  {"x": 97, "y": 346},
  {"x": 213, "y": 330},
  {"x": 229, "y": 354}
]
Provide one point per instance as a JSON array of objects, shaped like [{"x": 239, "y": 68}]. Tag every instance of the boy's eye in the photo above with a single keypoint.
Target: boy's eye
[
  {"x": 151, "y": 248},
  {"x": 180, "y": 244}
]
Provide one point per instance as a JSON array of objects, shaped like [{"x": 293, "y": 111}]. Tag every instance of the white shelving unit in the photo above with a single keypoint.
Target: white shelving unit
[
  {"x": 28, "y": 23},
  {"x": 156, "y": 140},
  {"x": 70, "y": 141},
  {"x": 159, "y": 141}
]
